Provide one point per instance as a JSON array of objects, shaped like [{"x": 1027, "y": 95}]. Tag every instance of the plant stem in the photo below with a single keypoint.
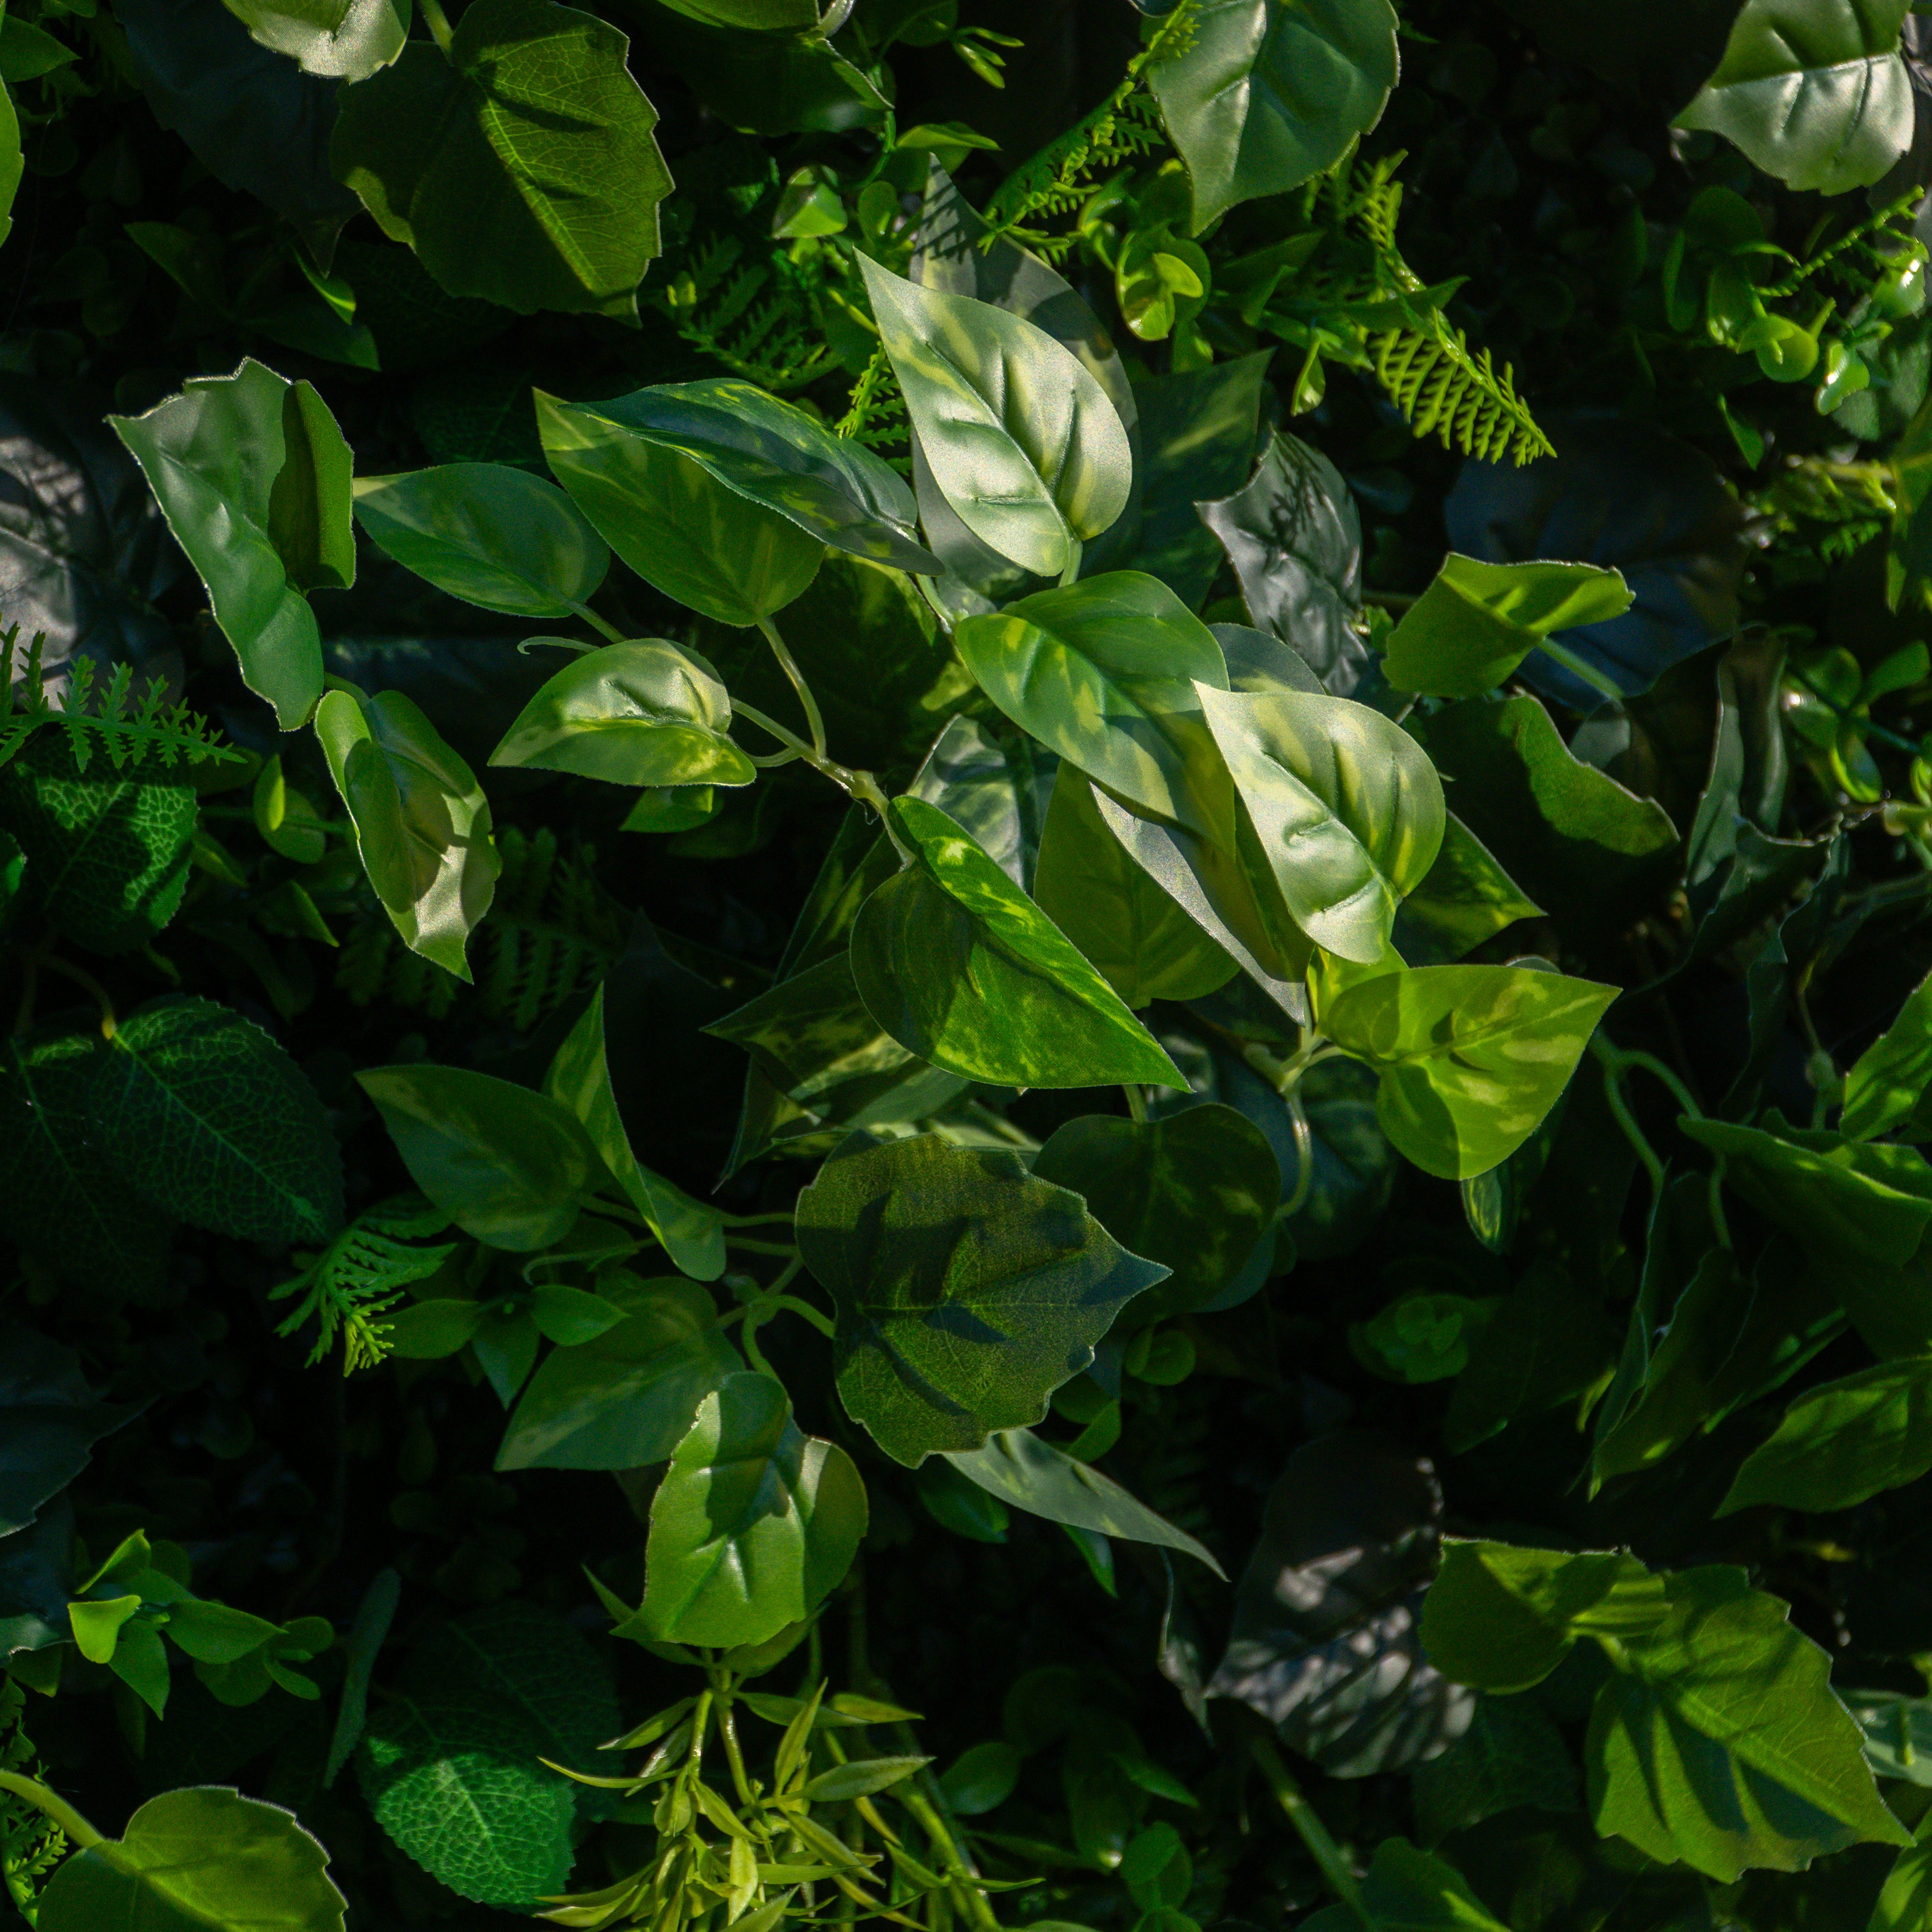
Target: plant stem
[
  {"x": 1308, "y": 1824},
  {"x": 788, "y": 664},
  {"x": 1136, "y": 1101},
  {"x": 437, "y": 21},
  {"x": 82, "y": 977}
]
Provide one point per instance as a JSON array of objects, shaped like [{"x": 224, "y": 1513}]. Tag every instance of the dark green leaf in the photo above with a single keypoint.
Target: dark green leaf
[
  {"x": 1409, "y": 1891},
  {"x": 50, "y": 1421},
  {"x": 1844, "y": 1442},
  {"x": 1465, "y": 898},
  {"x": 1887, "y": 1079},
  {"x": 1512, "y": 1754},
  {"x": 1548, "y": 1343},
  {"x": 981, "y": 1779}
]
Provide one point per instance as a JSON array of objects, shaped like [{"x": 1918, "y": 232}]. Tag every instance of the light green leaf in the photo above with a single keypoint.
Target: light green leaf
[
  {"x": 1409, "y": 1891},
  {"x": 1020, "y": 436},
  {"x": 772, "y": 454},
  {"x": 692, "y": 1234},
  {"x": 506, "y": 1165},
  {"x": 1897, "y": 1733},
  {"x": 1471, "y": 1057},
  {"x": 647, "y": 713},
  {"x": 1016, "y": 1466},
  {"x": 522, "y": 167},
  {"x": 490, "y": 534},
  {"x": 671, "y": 520},
  {"x": 627, "y": 1398},
  {"x": 966, "y": 1291},
  {"x": 214, "y": 1123},
  {"x": 962, "y": 969},
  {"x": 1905, "y": 1904},
  {"x": 345, "y": 40},
  {"x": 1844, "y": 1442},
  {"x": 860, "y": 1778},
  {"x": 422, "y": 823},
  {"x": 450, "y": 1763},
  {"x": 1476, "y": 622},
  {"x": 252, "y": 476},
  {"x": 754, "y": 1524},
  {"x": 1259, "y": 96},
  {"x": 1145, "y": 946},
  {"x": 1887, "y": 1079},
  {"x": 1465, "y": 898},
  {"x": 12, "y": 162},
  {"x": 1345, "y": 808},
  {"x": 1103, "y": 672},
  {"x": 1815, "y": 91}
]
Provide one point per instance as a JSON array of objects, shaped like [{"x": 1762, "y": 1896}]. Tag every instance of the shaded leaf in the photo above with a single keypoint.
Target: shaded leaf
[
  {"x": 1844, "y": 1442},
  {"x": 50, "y": 1421}
]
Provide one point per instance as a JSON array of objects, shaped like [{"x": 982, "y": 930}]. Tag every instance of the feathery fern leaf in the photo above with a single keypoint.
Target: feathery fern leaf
[
  {"x": 361, "y": 1275},
  {"x": 1440, "y": 385},
  {"x": 716, "y": 304},
  {"x": 1061, "y": 176}
]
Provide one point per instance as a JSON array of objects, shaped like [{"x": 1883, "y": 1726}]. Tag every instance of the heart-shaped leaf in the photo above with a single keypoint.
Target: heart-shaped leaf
[{"x": 345, "y": 40}]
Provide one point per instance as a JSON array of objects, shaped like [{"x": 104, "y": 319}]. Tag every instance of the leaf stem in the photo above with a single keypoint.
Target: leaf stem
[
  {"x": 1308, "y": 1825},
  {"x": 82, "y": 977},
  {"x": 815, "y": 719},
  {"x": 1074, "y": 550},
  {"x": 1136, "y": 1101},
  {"x": 602, "y": 626},
  {"x": 437, "y": 21}
]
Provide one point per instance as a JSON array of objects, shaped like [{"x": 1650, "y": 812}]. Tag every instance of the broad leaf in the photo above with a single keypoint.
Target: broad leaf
[
  {"x": 1408, "y": 1891},
  {"x": 215, "y": 1123},
  {"x": 754, "y": 1524},
  {"x": 490, "y": 534},
  {"x": 643, "y": 713},
  {"x": 422, "y": 823},
  {"x": 50, "y": 1421},
  {"x": 1476, "y": 622},
  {"x": 670, "y": 520},
  {"x": 521, "y": 166},
  {"x": 1022, "y": 440},
  {"x": 1016, "y": 1466},
  {"x": 962, "y": 969},
  {"x": 252, "y": 476},
  {"x": 1259, "y": 98},
  {"x": 1511, "y": 1755},
  {"x": 1465, "y": 898},
  {"x": 1907, "y": 1898},
  {"x": 506, "y": 1165},
  {"x": 1548, "y": 1343},
  {"x": 1846, "y": 1441},
  {"x": 966, "y": 1291},
  {"x": 1817, "y": 95},
  {"x": 1887, "y": 1079},
  {"x": 345, "y": 40}
]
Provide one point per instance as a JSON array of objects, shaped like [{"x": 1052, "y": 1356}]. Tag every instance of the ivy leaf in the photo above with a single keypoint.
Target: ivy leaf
[
  {"x": 49, "y": 1422},
  {"x": 966, "y": 1291},
  {"x": 1020, "y": 438},
  {"x": 422, "y": 823},
  {"x": 252, "y": 476},
  {"x": 450, "y": 1764},
  {"x": 1258, "y": 98},
  {"x": 1844, "y": 1442},
  {"x": 1887, "y": 1079},
  {"x": 754, "y": 1524},
  {"x": 522, "y": 167},
  {"x": 961, "y": 968},
  {"x": 214, "y": 1122},
  {"x": 646, "y": 712},
  {"x": 345, "y": 40},
  {"x": 490, "y": 534},
  {"x": 1818, "y": 96}
]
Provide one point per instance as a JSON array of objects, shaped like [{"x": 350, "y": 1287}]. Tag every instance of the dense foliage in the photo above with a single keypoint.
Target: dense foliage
[{"x": 966, "y": 963}]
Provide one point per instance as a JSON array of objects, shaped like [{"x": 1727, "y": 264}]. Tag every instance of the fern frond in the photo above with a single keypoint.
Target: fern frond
[
  {"x": 553, "y": 931},
  {"x": 1055, "y": 182},
  {"x": 1441, "y": 386},
  {"x": 30, "y": 1844},
  {"x": 716, "y": 305},
  {"x": 374, "y": 964},
  {"x": 361, "y": 1275},
  {"x": 1872, "y": 245},
  {"x": 876, "y": 415}
]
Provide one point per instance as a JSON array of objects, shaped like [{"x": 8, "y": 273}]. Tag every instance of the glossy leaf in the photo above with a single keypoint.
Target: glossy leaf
[
  {"x": 1843, "y": 1442},
  {"x": 671, "y": 520},
  {"x": 252, "y": 476},
  {"x": 754, "y": 1525},
  {"x": 1887, "y": 1079},
  {"x": 966, "y": 1291},
  {"x": 346, "y": 40},
  {"x": 644, "y": 713},
  {"x": 1464, "y": 898},
  {"x": 505, "y": 1164},
  {"x": 521, "y": 166},
  {"x": 490, "y": 534},
  {"x": 1021, "y": 438},
  {"x": 960, "y": 967},
  {"x": 422, "y": 823}
]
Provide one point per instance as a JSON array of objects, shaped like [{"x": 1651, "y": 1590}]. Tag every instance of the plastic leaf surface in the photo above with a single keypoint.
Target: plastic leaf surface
[
  {"x": 1844, "y": 1442},
  {"x": 346, "y": 40}
]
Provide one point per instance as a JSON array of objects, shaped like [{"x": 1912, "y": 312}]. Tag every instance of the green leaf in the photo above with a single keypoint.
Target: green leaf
[
  {"x": 1409, "y": 1891},
  {"x": 1194, "y": 1191},
  {"x": 1512, "y": 1755},
  {"x": 252, "y": 476},
  {"x": 28, "y": 53},
  {"x": 692, "y": 1234},
  {"x": 1465, "y": 898},
  {"x": 12, "y": 162},
  {"x": 860, "y": 1778},
  {"x": 1817, "y": 95},
  {"x": 1259, "y": 97},
  {"x": 1020, "y": 438},
  {"x": 754, "y": 1524},
  {"x": 626, "y": 1398},
  {"x": 1104, "y": 673},
  {"x": 450, "y": 1764},
  {"x": 422, "y": 823},
  {"x": 1907, "y": 1898},
  {"x": 1476, "y": 622},
  {"x": 521, "y": 167},
  {"x": 490, "y": 534},
  {"x": 363, "y": 1645},
  {"x": 427, "y": 1330},
  {"x": 1345, "y": 808},
  {"x": 1844, "y": 1442},
  {"x": 214, "y": 1123},
  {"x": 1887, "y": 1079},
  {"x": 670, "y": 520},
  {"x": 1145, "y": 947},
  {"x": 1471, "y": 1057},
  {"x": 966, "y": 1291},
  {"x": 347, "y": 40},
  {"x": 962, "y": 969},
  {"x": 1897, "y": 1733},
  {"x": 1422, "y": 1338},
  {"x": 1548, "y": 1343},
  {"x": 1016, "y": 1466},
  {"x": 506, "y": 1165},
  {"x": 772, "y": 454},
  {"x": 643, "y": 713},
  {"x": 190, "y": 1860},
  {"x": 50, "y": 1421}
]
